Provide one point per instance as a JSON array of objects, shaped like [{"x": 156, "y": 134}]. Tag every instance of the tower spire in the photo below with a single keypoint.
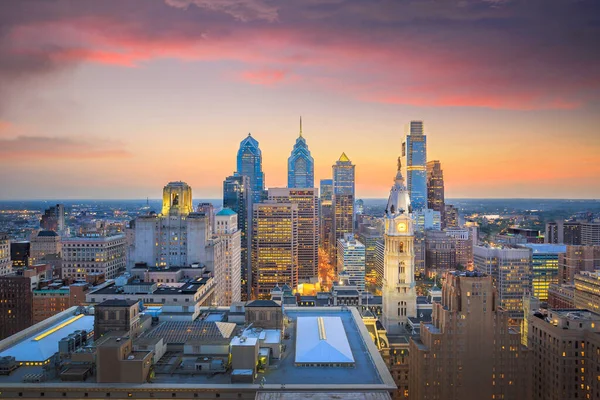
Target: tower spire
[{"x": 301, "y": 126}]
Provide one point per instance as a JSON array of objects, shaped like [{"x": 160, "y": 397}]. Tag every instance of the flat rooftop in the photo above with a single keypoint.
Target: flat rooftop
[{"x": 39, "y": 346}]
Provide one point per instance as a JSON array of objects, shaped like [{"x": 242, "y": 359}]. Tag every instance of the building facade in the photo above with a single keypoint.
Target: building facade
[
  {"x": 228, "y": 281},
  {"x": 544, "y": 267},
  {"x": 274, "y": 247},
  {"x": 351, "y": 260},
  {"x": 44, "y": 243},
  {"x": 91, "y": 255},
  {"x": 249, "y": 163},
  {"x": 451, "y": 218},
  {"x": 326, "y": 214},
  {"x": 307, "y": 200},
  {"x": 399, "y": 294},
  {"x": 414, "y": 157},
  {"x": 587, "y": 291},
  {"x": 563, "y": 232},
  {"x": 463, "y": 243},
  {"x": 5, "y": 260},
  {"x": 343, "y": 200},
  {"x": 440, "y": 253},
  {"x": 369, "y": 236},
  {"x": 54, "y": 219},
  {"x": 468, "y": 351},
  {"x": 590, "y": 233},
  {"x": 435, "y": 187},
  {"x": 577, "y": 259},
  {"x": 301, "y": 165}
]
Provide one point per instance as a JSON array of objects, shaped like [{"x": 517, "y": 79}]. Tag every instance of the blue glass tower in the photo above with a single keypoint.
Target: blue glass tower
[
  {"x": 414, "y": 154},
  {"x": 249, "y": 163},
  {"x": 301, "y": 165}
]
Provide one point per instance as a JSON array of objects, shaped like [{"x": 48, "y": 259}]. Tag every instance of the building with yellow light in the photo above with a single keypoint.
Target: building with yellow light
[
  {"x": 85, "y": 255},
  {"x": 274, "y": 247}
]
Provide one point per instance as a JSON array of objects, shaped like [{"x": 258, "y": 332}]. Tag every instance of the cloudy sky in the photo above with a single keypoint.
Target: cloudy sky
[{"x": 113, "y": 99}]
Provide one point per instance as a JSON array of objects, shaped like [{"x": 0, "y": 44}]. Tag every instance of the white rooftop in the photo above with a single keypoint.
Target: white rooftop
[
  {"x": 32, "y": 350},
  {"x": 322, "y": 340}
]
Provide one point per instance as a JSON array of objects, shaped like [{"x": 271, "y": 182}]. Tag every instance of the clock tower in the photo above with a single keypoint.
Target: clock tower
[{"x": 399, "y": 294}]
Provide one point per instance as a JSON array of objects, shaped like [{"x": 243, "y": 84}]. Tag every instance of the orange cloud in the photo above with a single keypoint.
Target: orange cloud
[
  {"x": 29, "y": 148},
  {"x": 265, "y": 76}
]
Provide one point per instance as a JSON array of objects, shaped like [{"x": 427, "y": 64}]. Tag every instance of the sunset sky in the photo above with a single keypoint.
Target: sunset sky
[{"x": 113, "y": 99}]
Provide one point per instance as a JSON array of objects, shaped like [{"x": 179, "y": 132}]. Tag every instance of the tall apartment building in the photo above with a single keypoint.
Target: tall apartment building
[
  {"x": 249, "y": 163},
  {"x": 274, "y": 247},
  {"x": 463, "y": 243},
  {"x": 351, "y": 260},
  {"x": 343, "y": 200},
  {"x": 587, "y": 291},
  {"x": 237, "y": 195},
  {"x": 468, "y": 351},
  {"x": 510, "y": 269},
  {"x": 440, "y": 253},
  {"x": 44, "y": 243},
  {"x": 577, "y": 259},
  {"x": 5, "y": 261},
  {"x": 414, "y": 160},
  {"x": 544, "y": 267},
  {"x": 369, "y": 236},
  {"x": 590, "y": 233},
  {"x": 563, "y": 232},
  {"x": 228, "y": 280},
  {"x": 54, "y": 219},
  {"x": 301, "y": 165},
  {"x": 307, "y": 200},
  {"x": 326, "y": 214},
  {"x": 565, "y": 349},
  {"x": 451, "y": 218},
  {"x": 435, "y": 187},
  {"x": 90, "y": 255}
]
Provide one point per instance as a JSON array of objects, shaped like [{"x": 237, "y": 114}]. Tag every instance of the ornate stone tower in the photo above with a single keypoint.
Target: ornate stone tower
[
  {"x": 399, "y": 295},
  {"x": 177, "y": 199}
]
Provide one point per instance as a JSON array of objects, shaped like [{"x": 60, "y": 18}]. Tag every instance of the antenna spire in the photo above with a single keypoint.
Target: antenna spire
[{"x": 301, "y": 126}]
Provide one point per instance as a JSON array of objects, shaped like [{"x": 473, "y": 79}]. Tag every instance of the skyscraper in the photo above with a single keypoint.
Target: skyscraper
[
  {"x": 343, "y": 200},
  {"x": 399, "y": 292},
  {"x": 249, "y": 163},
  {"x": 351, "y": 260},
  {"x": 435, "y": 187},
  {"x": 326, "y": 214},
  {"x": 414, "y": 157},
  {"x": 54, "y": 219},
  {"x": 274, "y": 247},
  {"x": 237, "y": 196},
  {"x": 308, "y": 227},
  {"x": 468, "y": 351},
  {"x": 301, "y": 165},
  {"x": 229, "y": 284}
]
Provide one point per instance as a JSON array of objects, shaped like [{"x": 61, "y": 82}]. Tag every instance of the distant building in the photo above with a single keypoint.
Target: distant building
[
  {"x": 440, "y": 252},
  {"x": 301, "y": 165},
  {"x": 209, "y": 210},
  {"x": 237, "y": 195},
  {"x": 19, "y": 254},
  {"x": 326, "y": 214},
  {"x": 510, "y": 269},
  {"x": 88, "y": 255},
  {"x": 43, "y": 244},
  {"x": 463, "y": 244},
  {"x": 587, "y": 291},
  {"x": 55, "y": 298},
  {"x": 307, "y": 200},
  {"x": 590, "y": 233},
  {"x": 577, "y": 259},
  {"x": 565, "y": 348},
  {"x": 563, "y": 232},
  {"x": 54, "y": 219},
  {"x": 435, "y": 188},
  {"x": 468, "y": 351},
  {"x": 427, "y": 219},
  {"x": 544, "y": 267},
  {"x": 274, "y": 247},
  {"x": 5, "y": 258},
  {"x": 229, "y": 280},
  {"x": 351, "y": 260},
  {"x": 414, "y": 157},
  {"x": 451, "y": 218},
  {"x": 369, "y": 236},
  {"x": 249, "y": 163},
  {"x": 343, "y": 200}
]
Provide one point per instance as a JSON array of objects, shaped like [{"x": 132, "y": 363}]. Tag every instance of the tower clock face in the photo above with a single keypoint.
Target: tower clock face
[{"x": 401, "y": 226}]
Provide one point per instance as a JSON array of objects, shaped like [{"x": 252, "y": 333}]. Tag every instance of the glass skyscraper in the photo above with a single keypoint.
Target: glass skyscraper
[
  {"x": 414, "y": 155},
  {"x": 249, "y": 163},
  {"x": 343, "y": 200},
  {"x": 301, "y": 165}
]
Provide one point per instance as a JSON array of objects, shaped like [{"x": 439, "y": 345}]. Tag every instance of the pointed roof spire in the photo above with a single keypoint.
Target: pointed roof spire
[
  {"x": 301, "y": 126},
  {"x": 344, "y": 158}
]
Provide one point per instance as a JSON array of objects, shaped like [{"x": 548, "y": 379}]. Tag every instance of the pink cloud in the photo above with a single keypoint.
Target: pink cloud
[
  {"x": 267, "y": 77},
  {"x": 28, "y": 148}
]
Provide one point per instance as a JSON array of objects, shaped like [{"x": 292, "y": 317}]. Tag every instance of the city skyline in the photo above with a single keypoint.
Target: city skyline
[{"x": 93, "y": 94}]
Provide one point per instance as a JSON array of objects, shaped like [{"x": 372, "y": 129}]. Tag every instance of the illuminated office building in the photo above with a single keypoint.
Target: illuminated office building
[
  {"x": 343, "y": 200},
  {"x": 274, "y": 247},
  {"x": 19, "y": 254},
  {"x": 43, "y": 244},
  {"x": 228, "y": 279},
  {"x": 440, "y": 253},
  {"x": 544, "y": 267},
  {"x": 414, "y": 157},
  {"x": 590, "y": 233},
  {"x": 468, "y": 351},
  {"x": 5, "y": 262},
  {"x": 563, "y": 232},
  {"x": 577, "y": 259},
  {"x": 326, "y": 214},
  {"x": 238, "y": 197},
  {"x": 450, "y": 216},
  {"x": 464, "y": 246},
  {"x": 249, "y": 163},
  {"x": 587, "y": 291},
  {"x": 91, "y": 255},
  {"x": 351, "y": 260},
  {"x": 54, "y": 219},
  {"x": 208, "y": 209},
  {"x": 427, "y": 219},
  {"x": 369, "y": 236},
  {"x": 510, "y": 269},
  {"x": 308, "y": 227},
  {"x": 301, "y": 166},
  {"x": 435, "y": 187}
]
